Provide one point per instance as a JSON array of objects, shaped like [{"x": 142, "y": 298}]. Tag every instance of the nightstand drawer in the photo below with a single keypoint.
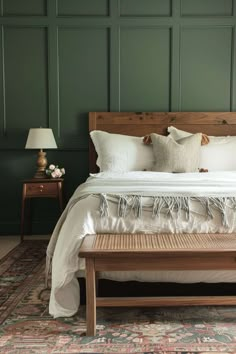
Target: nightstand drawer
[{"x": 44, "y": 189}]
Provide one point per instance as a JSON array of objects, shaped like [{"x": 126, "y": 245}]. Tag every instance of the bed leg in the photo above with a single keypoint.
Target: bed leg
[{"x": 90, "y": 297}]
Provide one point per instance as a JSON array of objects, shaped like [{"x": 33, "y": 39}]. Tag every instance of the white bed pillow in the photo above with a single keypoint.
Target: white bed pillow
[
  {"x": 218, "y": 155},
  {"x": 121, "y": 153}
]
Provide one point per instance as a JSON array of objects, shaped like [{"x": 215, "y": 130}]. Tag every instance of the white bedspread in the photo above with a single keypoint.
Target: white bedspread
[{"x": 82, "y": 217}]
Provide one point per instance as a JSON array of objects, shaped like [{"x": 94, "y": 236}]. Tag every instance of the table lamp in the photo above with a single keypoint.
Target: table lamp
[{"x": 41, "y": 138}]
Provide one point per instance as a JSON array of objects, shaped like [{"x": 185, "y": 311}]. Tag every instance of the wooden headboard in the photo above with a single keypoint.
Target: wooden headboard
[{"x": 142, "y": 123}]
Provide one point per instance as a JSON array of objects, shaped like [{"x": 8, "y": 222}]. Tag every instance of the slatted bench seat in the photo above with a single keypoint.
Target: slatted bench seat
[{"x": 125, "y": 252}]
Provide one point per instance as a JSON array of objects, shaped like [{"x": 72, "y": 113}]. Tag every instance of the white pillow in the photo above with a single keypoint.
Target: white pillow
[
  {"x": 121, "y": 153},
  {"x": 218, "y": 155}
]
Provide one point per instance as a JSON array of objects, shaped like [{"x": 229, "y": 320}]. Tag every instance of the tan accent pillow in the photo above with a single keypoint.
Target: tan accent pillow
[
  {"x": 176, "y": 156},
  {"x": 205, "y": 139}
]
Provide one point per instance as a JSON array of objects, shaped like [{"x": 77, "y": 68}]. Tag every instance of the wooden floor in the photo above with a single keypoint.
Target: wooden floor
[{"x": 7, "y": 243}]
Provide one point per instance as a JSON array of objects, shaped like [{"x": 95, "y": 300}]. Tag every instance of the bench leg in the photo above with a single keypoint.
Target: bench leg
[{"x": 90, "y": 297}]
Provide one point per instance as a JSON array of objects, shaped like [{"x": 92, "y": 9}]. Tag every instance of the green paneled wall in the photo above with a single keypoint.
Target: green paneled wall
[
  {"x": 145, "y": 8},
  {"x": 82, "y": 8},
  {"x": 25, "y": 73},
  {"x": 206, "y": 56},
  {"x": 60, "y": 59},
  {"x": 207, "y": 7},
  {"x": 83, "y": 76},
  {"x": 145, "y": 72},
  {"x": 24, "y": 7}
]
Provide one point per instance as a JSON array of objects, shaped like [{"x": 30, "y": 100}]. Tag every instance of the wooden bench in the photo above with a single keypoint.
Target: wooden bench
[{"x": 134, "y": 252}]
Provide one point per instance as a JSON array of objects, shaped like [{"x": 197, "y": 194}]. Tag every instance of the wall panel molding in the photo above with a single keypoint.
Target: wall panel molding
[
  {"x": 24, "y": 7},
  {"x": 2, "y": 87},
  {"x": 25, "y": 65},
  {"x": 60, "y": 59},
  {"x": 208, "y": 8},
  {"x": 205, "y": 68},
  {"x": 202, "y": 14},
  {"x": 147, "y": 8},
  {"x": 145, "y": 55},
  {"x": 233, "y": 71},
  {"x": 83, "y": 86},
  {"x": 77, "y": 8}
]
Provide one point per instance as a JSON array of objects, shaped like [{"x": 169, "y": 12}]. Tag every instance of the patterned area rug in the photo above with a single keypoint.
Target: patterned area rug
[{"x": 26, "y": 327}]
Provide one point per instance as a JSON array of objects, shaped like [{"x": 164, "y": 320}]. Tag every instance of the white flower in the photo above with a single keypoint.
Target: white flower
[
  {"x": 53, "y": 174},
  {"x": 55, "y": 171},
  {"x": 52, "y": 167},
  {"x": 58, "y": 172}
]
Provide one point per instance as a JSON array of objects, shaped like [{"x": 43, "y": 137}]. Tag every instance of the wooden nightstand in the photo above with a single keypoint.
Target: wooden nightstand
[{"x": 40, "y": 188}]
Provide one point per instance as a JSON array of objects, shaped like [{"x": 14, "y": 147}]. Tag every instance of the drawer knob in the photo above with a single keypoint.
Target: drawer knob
[{"x": 41, "y": 186}]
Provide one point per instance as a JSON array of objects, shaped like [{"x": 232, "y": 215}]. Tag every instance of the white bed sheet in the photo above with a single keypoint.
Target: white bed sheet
[{"x": 82, "y": 217}]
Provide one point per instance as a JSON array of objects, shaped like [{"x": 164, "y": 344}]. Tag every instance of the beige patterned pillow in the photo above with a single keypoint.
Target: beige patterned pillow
[{"x": 176, "y": 156}]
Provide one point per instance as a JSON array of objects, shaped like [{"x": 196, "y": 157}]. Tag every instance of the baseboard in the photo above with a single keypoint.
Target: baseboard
[{"x": 39, "y": 227}]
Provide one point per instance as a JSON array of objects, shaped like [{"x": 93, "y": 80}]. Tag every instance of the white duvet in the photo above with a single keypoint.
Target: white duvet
[{"x": 82, "y": 217}]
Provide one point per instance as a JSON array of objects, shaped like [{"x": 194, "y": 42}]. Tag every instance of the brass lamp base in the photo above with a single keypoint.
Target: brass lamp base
[
  {"x": 41, "y": 165},
  {"x": 40, "y": 174}
]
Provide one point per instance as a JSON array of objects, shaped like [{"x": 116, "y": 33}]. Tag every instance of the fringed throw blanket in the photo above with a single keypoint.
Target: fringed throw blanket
[
  {"x": 134, "y": 202},
  {"x": 167, "y": 205}
]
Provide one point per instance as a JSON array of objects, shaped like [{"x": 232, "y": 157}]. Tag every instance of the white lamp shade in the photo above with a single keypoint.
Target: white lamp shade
[{"x": 40, "y": 138}]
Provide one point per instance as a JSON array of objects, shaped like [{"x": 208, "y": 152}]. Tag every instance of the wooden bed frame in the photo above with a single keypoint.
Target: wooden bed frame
[{"x": 142, "y": 123}]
